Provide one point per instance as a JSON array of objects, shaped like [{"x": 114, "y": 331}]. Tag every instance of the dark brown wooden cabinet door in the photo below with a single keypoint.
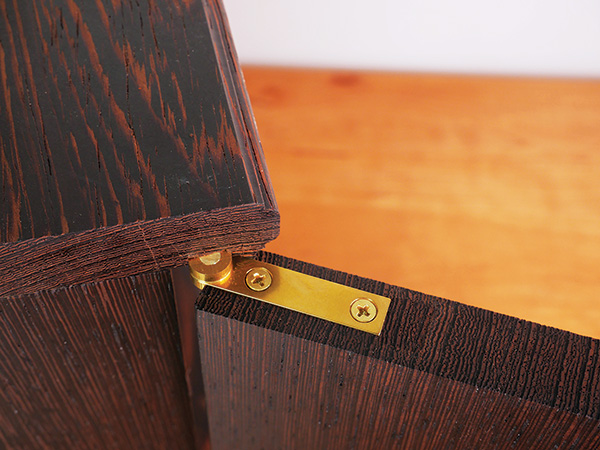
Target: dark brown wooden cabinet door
[
  {"x": 440, "y": 375},
  {"x": 127, "y": 146}
]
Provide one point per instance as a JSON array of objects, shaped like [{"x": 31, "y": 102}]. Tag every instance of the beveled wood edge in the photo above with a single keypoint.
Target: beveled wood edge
[
  {"x": 239, "y": 102},
  {"x": 124, "y": 250}
]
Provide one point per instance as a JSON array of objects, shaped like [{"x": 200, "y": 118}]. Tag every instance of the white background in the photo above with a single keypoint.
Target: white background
[{"x": 551, "y": 37}]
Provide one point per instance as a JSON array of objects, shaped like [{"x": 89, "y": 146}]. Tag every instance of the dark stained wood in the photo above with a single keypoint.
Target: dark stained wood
[
  {"x": 441, "y": 375},
  {"x": 93, "y": 366},
  {"x": 122, "y": 250},
  {"x": 232, "y": 81},
  {"x": 274, "y": 390},
  {"x": 127, "y": 145},
  {"x": 185, "y": 295},
  {"x": 116, "y": 116}
]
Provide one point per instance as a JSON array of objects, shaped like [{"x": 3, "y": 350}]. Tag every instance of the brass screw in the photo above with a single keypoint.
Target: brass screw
[
  {"x": 363, "y": 310},
  {"x": 259, "y": 279}
]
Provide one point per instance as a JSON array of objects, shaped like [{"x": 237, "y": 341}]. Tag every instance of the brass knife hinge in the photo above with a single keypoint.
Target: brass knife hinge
[{"x": 292, "y": 290}]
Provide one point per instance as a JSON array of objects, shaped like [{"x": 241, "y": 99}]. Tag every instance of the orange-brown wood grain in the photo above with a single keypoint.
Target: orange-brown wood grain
[{"x": 483, "y": 190}]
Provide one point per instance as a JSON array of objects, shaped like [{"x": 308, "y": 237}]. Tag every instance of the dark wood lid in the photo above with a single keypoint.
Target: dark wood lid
[{"x": 127, "y": 141}]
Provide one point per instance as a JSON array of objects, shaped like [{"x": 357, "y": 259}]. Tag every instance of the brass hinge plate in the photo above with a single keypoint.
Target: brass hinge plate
[{"x": 286, "y": 288}]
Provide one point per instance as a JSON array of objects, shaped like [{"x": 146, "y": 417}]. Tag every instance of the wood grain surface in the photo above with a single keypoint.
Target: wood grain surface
[
  {"x": 301, "y": 394},
  {"x": 122, "y": 250},
  {"x": 93, "y": 366},
  {"x": 480, "y": 189},
  {"x": 440, "y": 375},
  {"x": 185, "y": 294},
  {"x": 116, "y": 113}
]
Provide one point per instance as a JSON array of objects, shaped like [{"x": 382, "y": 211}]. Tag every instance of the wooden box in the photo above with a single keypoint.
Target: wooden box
[{"x": 128, "y": 147}]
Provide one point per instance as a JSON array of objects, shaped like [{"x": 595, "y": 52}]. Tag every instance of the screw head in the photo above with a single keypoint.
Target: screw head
[
  {"x": 259, "y": 279},
  {"x": 363, "y": 310}
]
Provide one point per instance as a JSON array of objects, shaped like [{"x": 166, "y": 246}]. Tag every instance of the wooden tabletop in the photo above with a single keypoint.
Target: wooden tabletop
[{"x": 478, "y": 189}]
